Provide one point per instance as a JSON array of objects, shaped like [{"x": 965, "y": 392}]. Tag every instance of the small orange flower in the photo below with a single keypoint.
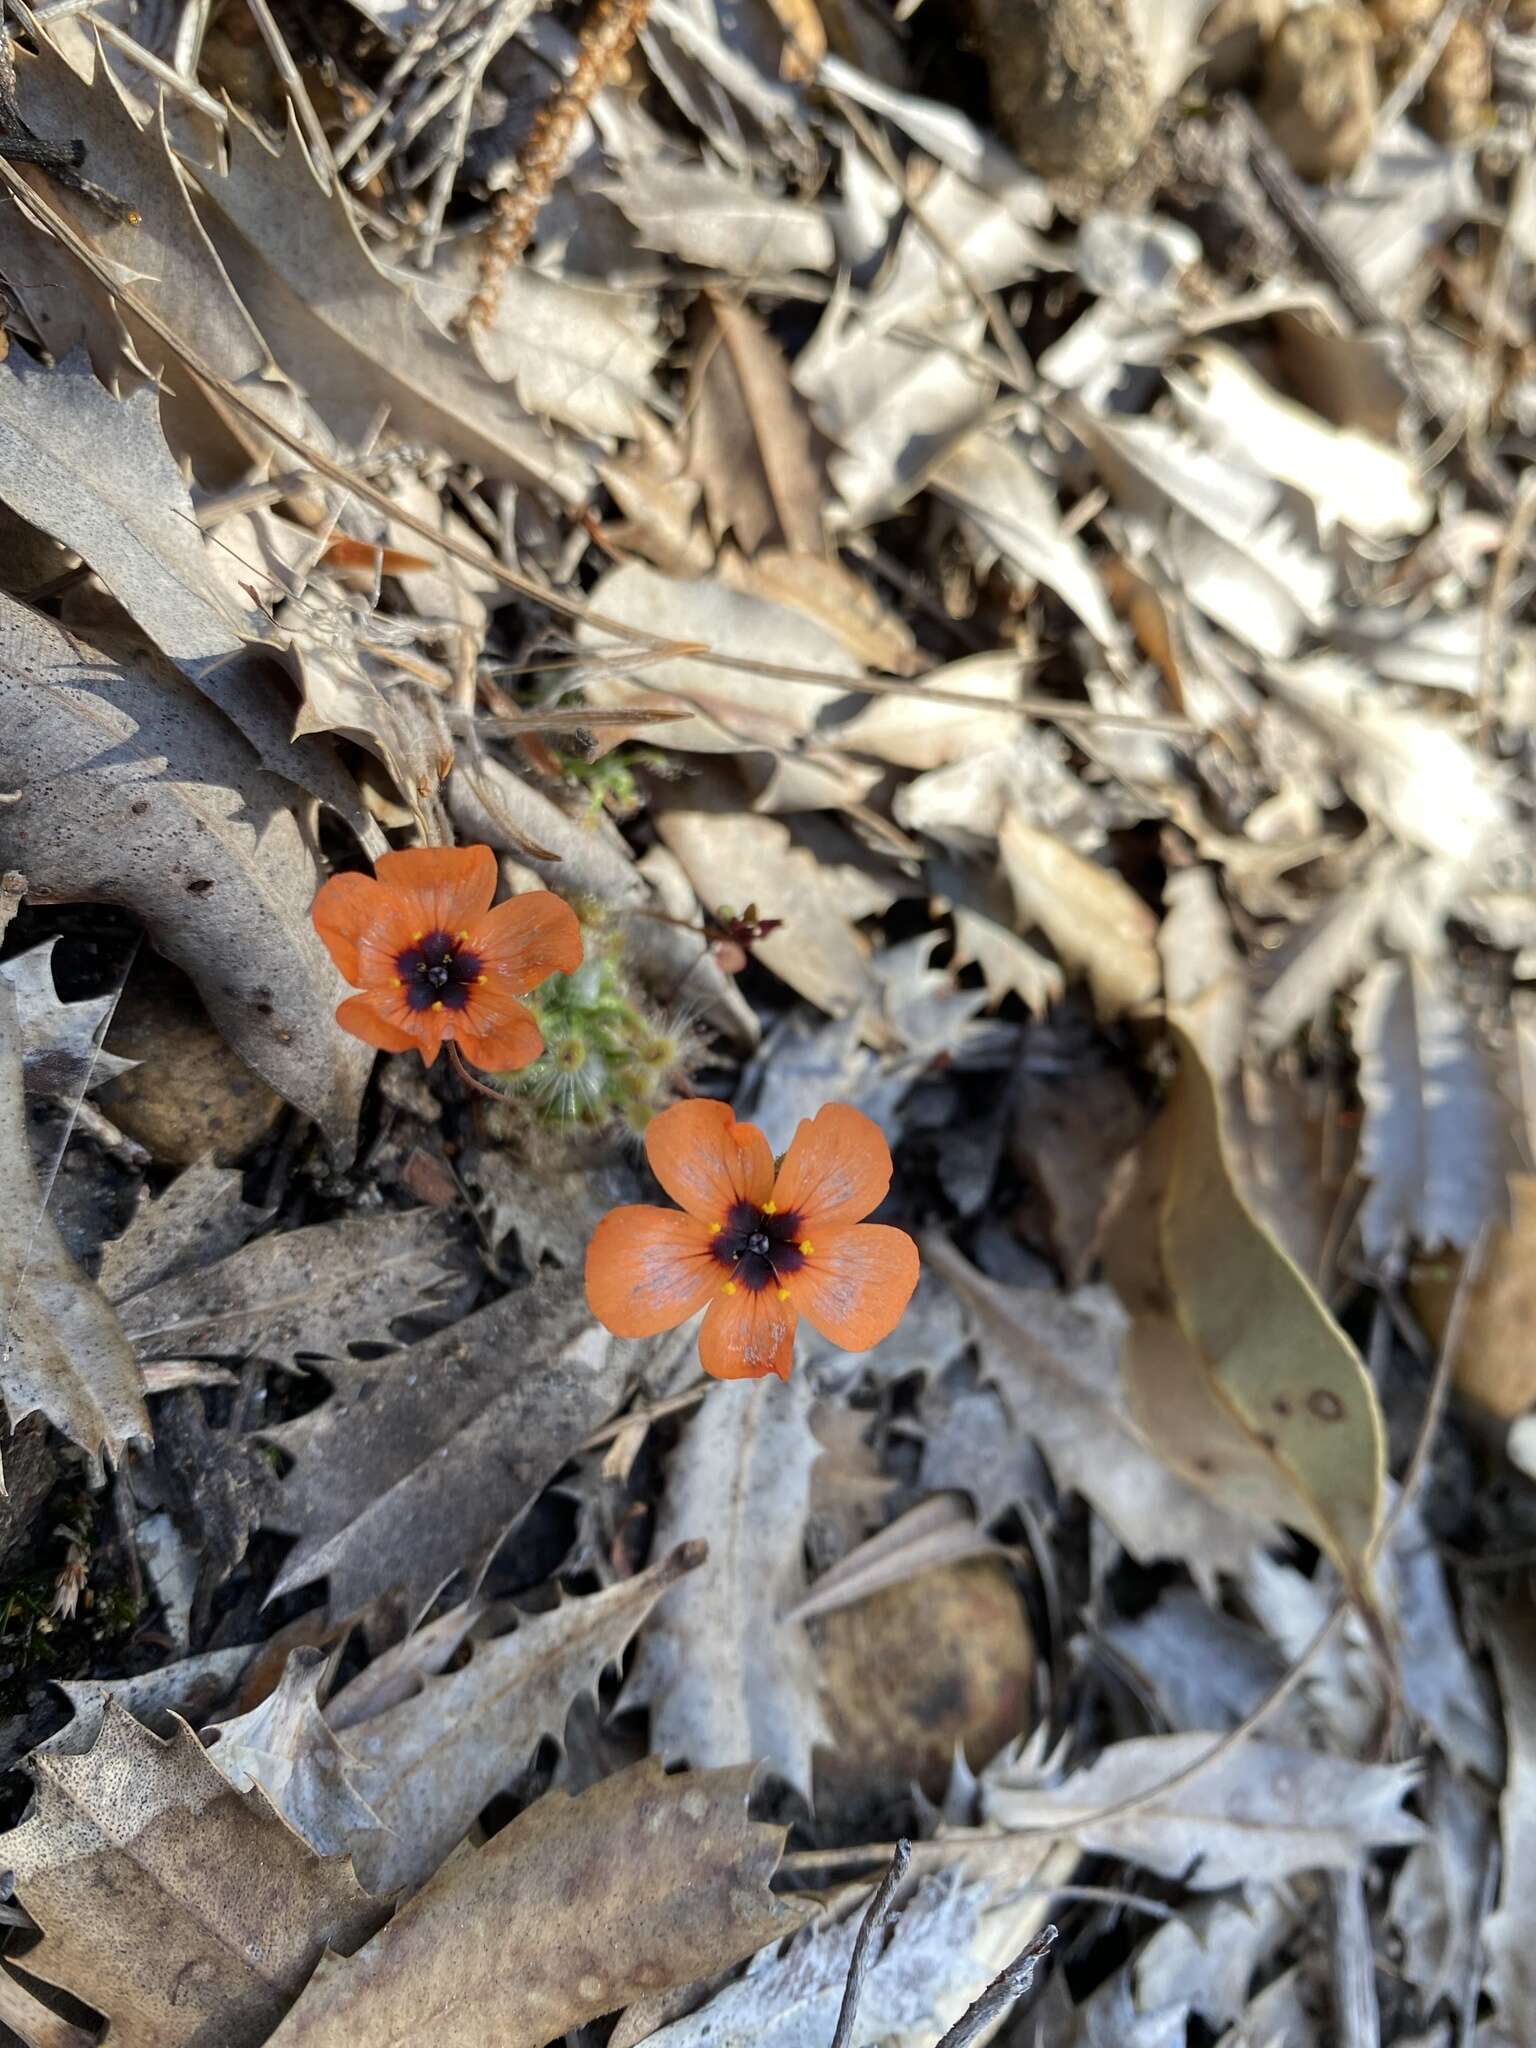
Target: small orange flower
[
  {"x": 756, "y": 1249},
  {"x": 435, "y": 962}
]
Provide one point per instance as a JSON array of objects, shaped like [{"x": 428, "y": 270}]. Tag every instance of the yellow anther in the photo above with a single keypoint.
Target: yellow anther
[
  {"x": 437, "y": 1006},
  {"x": 715, "y": 1229},
  {"x": 783, "y": 1294},
  {"x": 806, "y": 1246},
  {"x": 729, "y": 1287},
  {"x": 459, "y": 938},
  {"x": 770, "y": 1208},
  {"x": 397, "y": 982},
  {"x": 417, "y": 937}
]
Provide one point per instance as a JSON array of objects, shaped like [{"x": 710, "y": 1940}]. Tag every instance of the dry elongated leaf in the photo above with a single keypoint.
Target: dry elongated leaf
[
  {"x": 135, "y": 791},
  {"x": 1259, "y": 1812},
  {"x": 1235, "y": 1369},
  {"x": 198, "y": 1219},
  {"x": 575, "y": 1908},
  {"x": 35, "y": 2023},
  {"x": 165, "y": 253},
  {"x": 991, "y": 481},
  {"x": 935, "y": 1535},
  {"x": 731, "y": 707},
  {"x": 420, "y": 1470},
  {"x": 1096, "y": 922},
  {"x": 62, "y": 1349},
  {"x": 912, "y": 732},
  {"x": 428, "y": 1765},
  {"x": 1056, "y": 1359},
  {"x": 705, "y": 215},
  {"x": 1507, "y": 1934},
  {"x": 1432, "y": 1141},
  {"x": 186, "y": 1913},
  {"x": 346, "y": 331},
  {"x": 750, "y": 441},
  {"x": 60, "y": 1042},
  {"x": 724, "y": 1674},
  {"x": 314, "y": 1292}
]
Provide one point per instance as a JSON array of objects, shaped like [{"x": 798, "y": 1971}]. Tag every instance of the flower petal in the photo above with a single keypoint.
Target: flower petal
[
  {"x": 495, "y": 1031},
  {"x": 649, "y": 1270},
  {"x": 380, "y": 1018},
  {"x": 706, "y": 1160},
  {"x": 526, "y": 939},
  {"x": 745, "y": 1335},
  {"x": 837, "y": 1169},
  {"x": 347, "y": 909},
  {"x": 856, "y": 1285},
  {"x": 449, "y": 886}
]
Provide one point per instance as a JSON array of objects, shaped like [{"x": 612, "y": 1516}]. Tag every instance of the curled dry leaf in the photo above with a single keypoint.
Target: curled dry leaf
[
  {"x": 1507, "y": 1933},
  {"x": 750, "y": 442},
  {"x": 1257, "y": 1812},
  {"x": 574, "y": 1909},
  {"x": 136, "y": 791},
  {"x": 724, "y": 1673},
  {"x": 418, "y": 1472},
  {"x": 188, "y": 1914},
  {"x": 62, "y": 1350},
  {"x": 1055, "y": 1357},
  {"x": 284, "y": 1745},
  {"x": 1234, "y": 1368},
  {"x": 1097, "y": 923}
]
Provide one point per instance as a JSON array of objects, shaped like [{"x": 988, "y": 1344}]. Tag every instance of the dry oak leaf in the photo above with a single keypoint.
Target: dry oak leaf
[
  {"x": 134, "y": 790},
  {"x": 1234, "y": 1368},
  {"x": 579, "y": 1906},
  {"x": 188, "y": 1914},
  {"x": 417, "y": 1470},
  {"x": 62, "y": 1350}
]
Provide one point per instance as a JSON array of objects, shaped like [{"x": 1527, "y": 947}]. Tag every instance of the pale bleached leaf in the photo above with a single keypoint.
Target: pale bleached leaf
[
  {"x": 703, "y": 215},
  {"x": 60, "y": 1042},
  {"x": 1258, "y": 1812},
  {"x": 1432, "y": 1141},
  {"x": 1097, "y": 924},
  {"x": 750, "y": 444},
  {"x": 1507, "y": 1935},
  {"x": 62, "y": 1350},
  {"x": 724, "y": 1674},
  {"x": 427, "y": 1765},
  {"x": 992, "y": 480}
]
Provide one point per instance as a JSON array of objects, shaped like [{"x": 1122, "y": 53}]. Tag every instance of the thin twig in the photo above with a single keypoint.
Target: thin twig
[
  {"x": 881, "y": 1908},
  {"x": 1517, "y": 538},
  {"x": 1010, "y": 1984}
]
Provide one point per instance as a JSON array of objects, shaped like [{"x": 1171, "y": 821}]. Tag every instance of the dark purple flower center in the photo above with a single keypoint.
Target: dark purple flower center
[
  {"x": 437, "y": 968},
  {"x": 759, "y": 1248}
]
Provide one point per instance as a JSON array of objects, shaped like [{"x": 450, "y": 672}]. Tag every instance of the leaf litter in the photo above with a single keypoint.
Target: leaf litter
[{"x": 1091, "y": 616}]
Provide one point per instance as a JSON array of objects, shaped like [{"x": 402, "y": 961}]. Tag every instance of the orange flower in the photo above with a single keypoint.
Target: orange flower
[
  {"x": 755, "y": 1249},
  {"x": 434, "y": 961}
]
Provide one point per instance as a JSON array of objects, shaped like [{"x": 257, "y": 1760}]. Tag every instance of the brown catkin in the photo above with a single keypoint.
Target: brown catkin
[{"x": 606, "y": 34}]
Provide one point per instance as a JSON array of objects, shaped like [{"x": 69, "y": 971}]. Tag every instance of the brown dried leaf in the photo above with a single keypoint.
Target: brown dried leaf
[
  {"x": 62, "y": 1349},
  {"x": 135, "y": 791},
  {"x": 750, "y": 447},
  {"x": 1096, "y": 922},
  {"x": 574, "y": 1909},
  {"x": 420, "y": 1471},
  {"x": 186, "y": 1913}
]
